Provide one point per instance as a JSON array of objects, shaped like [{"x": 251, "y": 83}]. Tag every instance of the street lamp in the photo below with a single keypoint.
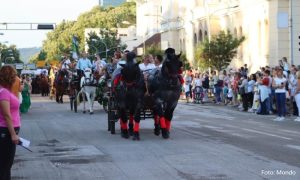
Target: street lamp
[{"x": 95, "y": 40}]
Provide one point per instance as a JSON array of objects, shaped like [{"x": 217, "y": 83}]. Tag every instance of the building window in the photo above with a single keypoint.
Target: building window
[
  {"x": 235, "y": 32},
  {"x": 200, "y": 35},
  {"x": 195, "y": 39},
  {"x": 205, "y": 34},
  {"x": 241, "y": 31}
]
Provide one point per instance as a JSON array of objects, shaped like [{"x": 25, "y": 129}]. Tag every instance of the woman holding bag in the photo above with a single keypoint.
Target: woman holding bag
[{"x": 9, "y": 121}]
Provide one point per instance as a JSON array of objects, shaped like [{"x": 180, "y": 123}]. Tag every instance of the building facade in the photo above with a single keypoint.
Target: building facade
[{"x": 271, "y": 28}]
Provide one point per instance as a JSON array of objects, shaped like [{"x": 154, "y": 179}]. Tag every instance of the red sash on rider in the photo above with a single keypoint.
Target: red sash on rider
[{"x": 117, "y": 79}]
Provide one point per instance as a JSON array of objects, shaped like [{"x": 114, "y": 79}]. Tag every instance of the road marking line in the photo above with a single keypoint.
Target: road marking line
[
  {"x": 268, "y": 134},
  {"x": 289, "y": 131}
]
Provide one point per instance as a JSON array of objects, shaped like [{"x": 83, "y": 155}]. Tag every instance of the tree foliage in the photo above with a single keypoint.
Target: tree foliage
[
  {"x": 10, "y": 54},
  {"x": 107, "y": 39},
  {"x": 59, "y": 40},
  {"x": 218, "y": 53},
  {"x": 154, "y": 49},
  {"x": 41, "y": 56},
  {"x": 185, "y": 62}
]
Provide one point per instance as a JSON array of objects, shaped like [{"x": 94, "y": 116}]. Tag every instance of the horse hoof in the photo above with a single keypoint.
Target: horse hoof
[
  {"x": 124, "y": 134},
  {"x": 165, "y": 134},
  {"x": 84, "y": 112},
  {"x": 136, "y": 136},
  {"x": 156, "y": 130}
]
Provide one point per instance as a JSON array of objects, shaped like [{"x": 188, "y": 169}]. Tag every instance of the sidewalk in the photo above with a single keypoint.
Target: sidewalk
[{"x": 231, "y": 108}]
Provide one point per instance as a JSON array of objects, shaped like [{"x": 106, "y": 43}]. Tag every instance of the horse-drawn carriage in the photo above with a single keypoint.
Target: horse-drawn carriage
[
  {"x": 133, "y": 98},
  {"x": 91, "y": 87}
]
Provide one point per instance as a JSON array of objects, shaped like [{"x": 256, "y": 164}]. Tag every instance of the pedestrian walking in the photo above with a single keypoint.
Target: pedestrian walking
[
  {"x": 26, "y": 102},
  {"x": 9, "y": 121}
]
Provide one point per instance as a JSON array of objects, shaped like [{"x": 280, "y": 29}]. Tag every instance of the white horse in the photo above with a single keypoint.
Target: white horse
[{"x": 88, "y": 86}]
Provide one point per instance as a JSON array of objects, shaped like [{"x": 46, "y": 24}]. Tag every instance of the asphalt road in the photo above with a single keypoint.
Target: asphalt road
[{"x": 207, "y": 142}]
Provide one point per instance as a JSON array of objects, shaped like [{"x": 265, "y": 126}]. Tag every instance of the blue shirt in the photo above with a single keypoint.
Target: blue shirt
[{"x": 84, "y": 63}]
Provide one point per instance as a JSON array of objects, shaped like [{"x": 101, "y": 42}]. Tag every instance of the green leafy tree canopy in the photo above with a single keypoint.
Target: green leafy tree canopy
[
  {"x": 219, "y": 52},
  {"x": 59, "y": 40}
]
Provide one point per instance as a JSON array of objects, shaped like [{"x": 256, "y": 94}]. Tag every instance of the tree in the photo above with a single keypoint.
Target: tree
[
  {"x": 185, "y": 62},
  {"x": 59, "y": 40},
  {"x": 219, "y": 52},
  {"x": 10, "y": 54},
  {"x": 107, "y": 39},
  {"x": 41, "y": 56},
  {"x": 154, "y": 49}
]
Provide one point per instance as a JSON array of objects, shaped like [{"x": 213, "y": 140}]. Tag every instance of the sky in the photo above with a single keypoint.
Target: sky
[{"x": 37, "y": 11}]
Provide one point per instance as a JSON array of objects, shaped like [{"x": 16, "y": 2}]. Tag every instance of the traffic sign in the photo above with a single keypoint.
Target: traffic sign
[{"x": 30, "y": 66}]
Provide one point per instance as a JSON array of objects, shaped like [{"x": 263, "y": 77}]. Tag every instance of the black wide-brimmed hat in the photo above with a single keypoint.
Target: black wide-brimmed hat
[{"x": 170, "y": 51}]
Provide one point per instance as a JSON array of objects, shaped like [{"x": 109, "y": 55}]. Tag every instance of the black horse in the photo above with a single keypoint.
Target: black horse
[
  {"x": 129, "y": 91},
  {"x": 165, "y": 87}
]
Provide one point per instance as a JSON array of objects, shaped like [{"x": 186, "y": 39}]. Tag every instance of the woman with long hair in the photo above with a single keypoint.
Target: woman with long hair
[{"x": 9, "y": 121}]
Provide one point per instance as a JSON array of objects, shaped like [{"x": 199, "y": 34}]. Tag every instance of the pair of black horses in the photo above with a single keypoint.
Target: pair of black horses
[{"x": 164, "y": 87}]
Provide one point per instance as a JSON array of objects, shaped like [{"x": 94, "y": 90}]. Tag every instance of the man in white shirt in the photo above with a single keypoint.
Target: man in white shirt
[
  {"x": 83, "y": 63},
  {"x": 147, "y": 64}
]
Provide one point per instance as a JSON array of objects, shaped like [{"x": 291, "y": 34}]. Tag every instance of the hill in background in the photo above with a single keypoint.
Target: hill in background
[{"x": 26, "y": 53}]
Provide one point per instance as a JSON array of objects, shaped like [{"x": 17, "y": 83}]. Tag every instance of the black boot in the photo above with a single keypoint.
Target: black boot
[
  {"x": 156, "y": 129},
  {"x": 165, "y": 134},
  {"x": 136, "y": 136},
  {"x": 124, "y": 133},
  {"x": 130, "y": 126}
]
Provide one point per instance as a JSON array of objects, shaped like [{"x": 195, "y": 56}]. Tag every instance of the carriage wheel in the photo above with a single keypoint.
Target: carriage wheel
[
  {"x": 75, "y": 101},
  {"x": 75, "y": 106},
  {"x": 108, "y": 115},
  {"x": 71, "y": 103},
  {"x": 108, "y": 121}
]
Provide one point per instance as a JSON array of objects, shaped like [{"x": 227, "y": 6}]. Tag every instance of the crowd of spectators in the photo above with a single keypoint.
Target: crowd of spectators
[{"x": 270, "y": 90}]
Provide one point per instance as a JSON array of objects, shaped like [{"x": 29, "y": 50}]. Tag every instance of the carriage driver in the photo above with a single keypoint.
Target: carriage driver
[
  {"x": 99, "y": 64},
  {"x": 119, "y": 59},
  {"x": 65, "y": 64},
  {"x": 83, "y": 63}
]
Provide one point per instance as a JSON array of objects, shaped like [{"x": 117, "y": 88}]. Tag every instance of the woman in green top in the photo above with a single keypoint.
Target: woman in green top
[{"x": 26, "y": 102}]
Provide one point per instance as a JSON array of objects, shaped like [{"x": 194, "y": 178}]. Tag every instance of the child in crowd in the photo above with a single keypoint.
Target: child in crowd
[
  {"x": 229, "y": 94},
  {"x": 225, "y": 93}
]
